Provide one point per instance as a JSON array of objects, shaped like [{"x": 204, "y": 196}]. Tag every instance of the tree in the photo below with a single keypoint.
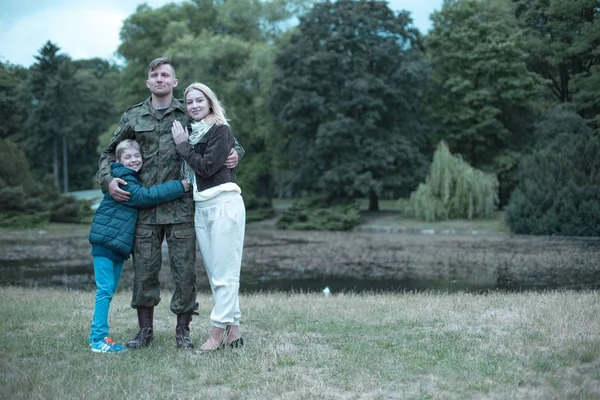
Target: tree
[
  {"x": 559, "y": 186},
  {"x": 230, "y": 46},
  {"x": 15, "y": 170},
  {"x": 453, "y": 190},
  {"x": 72, "y": 102},
  {"x": 96, "y": 82},
  {"x": 50, "y": 116},
  {"x": 483, "y": 99},
  {"x": 563, "y": 38},
  {"x": 13, "y": 106},
  {"x": 347, "y": 98}
]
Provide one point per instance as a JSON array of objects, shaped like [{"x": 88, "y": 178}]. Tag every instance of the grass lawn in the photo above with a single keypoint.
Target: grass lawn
[{"x": 529, "y": 345}]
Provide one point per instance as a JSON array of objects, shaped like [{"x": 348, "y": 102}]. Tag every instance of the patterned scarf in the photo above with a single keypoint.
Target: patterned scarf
[{"x": 199, "y": 129}]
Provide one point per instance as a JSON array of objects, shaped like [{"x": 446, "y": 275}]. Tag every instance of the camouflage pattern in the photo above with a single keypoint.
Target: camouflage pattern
[
  {"x": 147, "y": 258},
  {"x": 161, "y": 161}
]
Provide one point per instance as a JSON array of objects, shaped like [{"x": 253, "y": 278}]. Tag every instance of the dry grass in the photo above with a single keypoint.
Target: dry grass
[{"x": 300, "y": 346}]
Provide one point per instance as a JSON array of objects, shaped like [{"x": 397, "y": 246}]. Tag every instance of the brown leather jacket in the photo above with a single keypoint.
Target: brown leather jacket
[{"x": 208, "y": 156}]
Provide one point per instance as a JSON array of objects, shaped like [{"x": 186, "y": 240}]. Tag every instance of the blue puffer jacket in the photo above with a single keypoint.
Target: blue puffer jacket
[{"x": 113, "y": 226}]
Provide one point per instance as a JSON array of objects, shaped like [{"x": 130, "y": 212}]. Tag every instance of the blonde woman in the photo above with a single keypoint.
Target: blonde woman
[{"x": 220, "y": 214}]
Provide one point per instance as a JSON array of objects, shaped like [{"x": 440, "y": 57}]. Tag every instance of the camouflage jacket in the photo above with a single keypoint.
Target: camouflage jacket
[{"x": 162, "y": 163}]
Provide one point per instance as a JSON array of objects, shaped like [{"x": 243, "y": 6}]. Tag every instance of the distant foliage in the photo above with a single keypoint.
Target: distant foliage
[
  {"x": 559, "y": 189},
  {"x": 257, "y": 208},
  {"x": 453, "y": 190},
  {"x": 25, "y": 202},
  {"x": 317, "y": 213},
  {"x": 347, "y": 94},
  {"x": 66, "y": 208}
]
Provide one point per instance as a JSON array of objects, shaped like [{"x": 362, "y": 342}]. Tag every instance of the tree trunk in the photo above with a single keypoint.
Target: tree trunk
[
  {"x": 55, "y": 161},
  {"x": 373, "y": 201},
  {"x": 65, "y": 160}
]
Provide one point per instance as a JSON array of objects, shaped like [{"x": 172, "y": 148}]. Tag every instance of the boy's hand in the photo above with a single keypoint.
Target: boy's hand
[
  {"x": 233, "y": 159},
  {"x": 116, "y": 192},
  {"x": 186, "y": 185},
  {"x": 179, "y": 133}
]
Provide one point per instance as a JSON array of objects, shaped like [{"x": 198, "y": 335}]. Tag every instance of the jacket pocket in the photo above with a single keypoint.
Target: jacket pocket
[
  {"x": 183, "y": 249},
  {"x": 145, "y": 135}
]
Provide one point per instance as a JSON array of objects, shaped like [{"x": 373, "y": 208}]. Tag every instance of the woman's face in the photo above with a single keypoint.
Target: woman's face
[{"x": 196, "y": 105}]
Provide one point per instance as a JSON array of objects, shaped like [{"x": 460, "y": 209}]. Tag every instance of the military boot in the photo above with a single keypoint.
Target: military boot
[
  {"x": 182, "y": 331},
  {"x": 144, "y": 336}
]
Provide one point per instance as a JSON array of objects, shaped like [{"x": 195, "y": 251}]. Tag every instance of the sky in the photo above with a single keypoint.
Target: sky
[{"x": 90, "y": 28}]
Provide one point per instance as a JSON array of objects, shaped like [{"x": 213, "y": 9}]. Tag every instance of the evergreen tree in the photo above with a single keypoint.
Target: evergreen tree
[
  {"x": 72, "y": 103},
  {"x": 13, "y": 104},
  {"x": 559, "y": 185},
  {"x": 49, "y": 120}
]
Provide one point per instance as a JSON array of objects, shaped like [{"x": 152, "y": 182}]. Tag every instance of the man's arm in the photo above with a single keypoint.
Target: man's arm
[
  {"x": 104, "y": 176},
  {"x": 238, "y": 147},
  {"x": 235, "y": 155}
]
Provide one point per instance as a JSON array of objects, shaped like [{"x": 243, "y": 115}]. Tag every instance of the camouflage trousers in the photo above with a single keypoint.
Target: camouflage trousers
[{"x": 147, "y": 260}]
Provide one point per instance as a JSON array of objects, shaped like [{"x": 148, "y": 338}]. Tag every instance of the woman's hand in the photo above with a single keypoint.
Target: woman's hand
[
  {"x": 179, "y": 133},
  {"x": 186, "y": 185}
]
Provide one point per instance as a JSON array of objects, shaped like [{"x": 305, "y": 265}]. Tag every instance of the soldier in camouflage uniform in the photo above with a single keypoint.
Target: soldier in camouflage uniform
[{"x": 149, "y": 123}]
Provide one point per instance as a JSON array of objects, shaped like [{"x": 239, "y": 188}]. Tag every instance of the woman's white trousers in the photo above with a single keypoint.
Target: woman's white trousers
[{"x": 220, "y": 224}]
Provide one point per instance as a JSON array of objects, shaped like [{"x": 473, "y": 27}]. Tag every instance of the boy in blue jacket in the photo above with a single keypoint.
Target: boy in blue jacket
[{"x": 113, "y": 232}]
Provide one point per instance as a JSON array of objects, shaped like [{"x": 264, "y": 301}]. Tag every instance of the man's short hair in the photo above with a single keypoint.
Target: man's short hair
[
  {"x": 157, "y": 62},
  {"x": 126, "y": 144}
]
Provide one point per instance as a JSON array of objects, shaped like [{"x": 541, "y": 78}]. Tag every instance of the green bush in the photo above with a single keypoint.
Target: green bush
[
  {"x": 453, "y": 190},
  {"x": 12, "y": 199},
  {"x": 559, "y": 189},
  {"x": 257, "y": 208},
  {"x": 23, "y": 220},
  {"x": 317, "y": 213},
  {"x": 25, "y": 202},
  {"x": 68, "y": 209}
]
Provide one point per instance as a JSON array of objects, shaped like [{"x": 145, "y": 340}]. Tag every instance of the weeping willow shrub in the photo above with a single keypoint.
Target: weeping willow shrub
[{"x": 453, "y": 190}]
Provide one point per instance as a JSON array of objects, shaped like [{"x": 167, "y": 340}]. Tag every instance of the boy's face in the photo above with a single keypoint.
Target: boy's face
[{"x": 132, "y": 159}]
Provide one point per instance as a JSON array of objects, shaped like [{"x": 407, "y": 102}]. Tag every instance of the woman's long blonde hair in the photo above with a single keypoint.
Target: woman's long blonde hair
[{"x": 217, "y": 112}]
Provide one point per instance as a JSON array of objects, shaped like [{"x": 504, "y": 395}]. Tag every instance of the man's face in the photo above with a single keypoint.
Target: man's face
[{"x": 161, "y": 81}]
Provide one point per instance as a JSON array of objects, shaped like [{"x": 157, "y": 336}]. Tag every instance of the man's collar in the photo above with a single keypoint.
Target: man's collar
[{"x": 175, "y": 104}]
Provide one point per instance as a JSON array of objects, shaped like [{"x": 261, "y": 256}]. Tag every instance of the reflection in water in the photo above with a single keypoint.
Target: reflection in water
[
  {"x": 361, "y": 286},
  {"x": 81, "y": 277},
  {"x": 345, "y": 262}
]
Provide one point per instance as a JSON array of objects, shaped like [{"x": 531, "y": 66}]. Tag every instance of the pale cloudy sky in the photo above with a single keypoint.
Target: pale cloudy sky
[{"x": 90, "y": 28}]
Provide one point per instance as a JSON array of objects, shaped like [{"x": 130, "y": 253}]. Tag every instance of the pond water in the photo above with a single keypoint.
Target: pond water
[
  {"x": 80, "y": 277},
  {"x": 291, "y": 261}
]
